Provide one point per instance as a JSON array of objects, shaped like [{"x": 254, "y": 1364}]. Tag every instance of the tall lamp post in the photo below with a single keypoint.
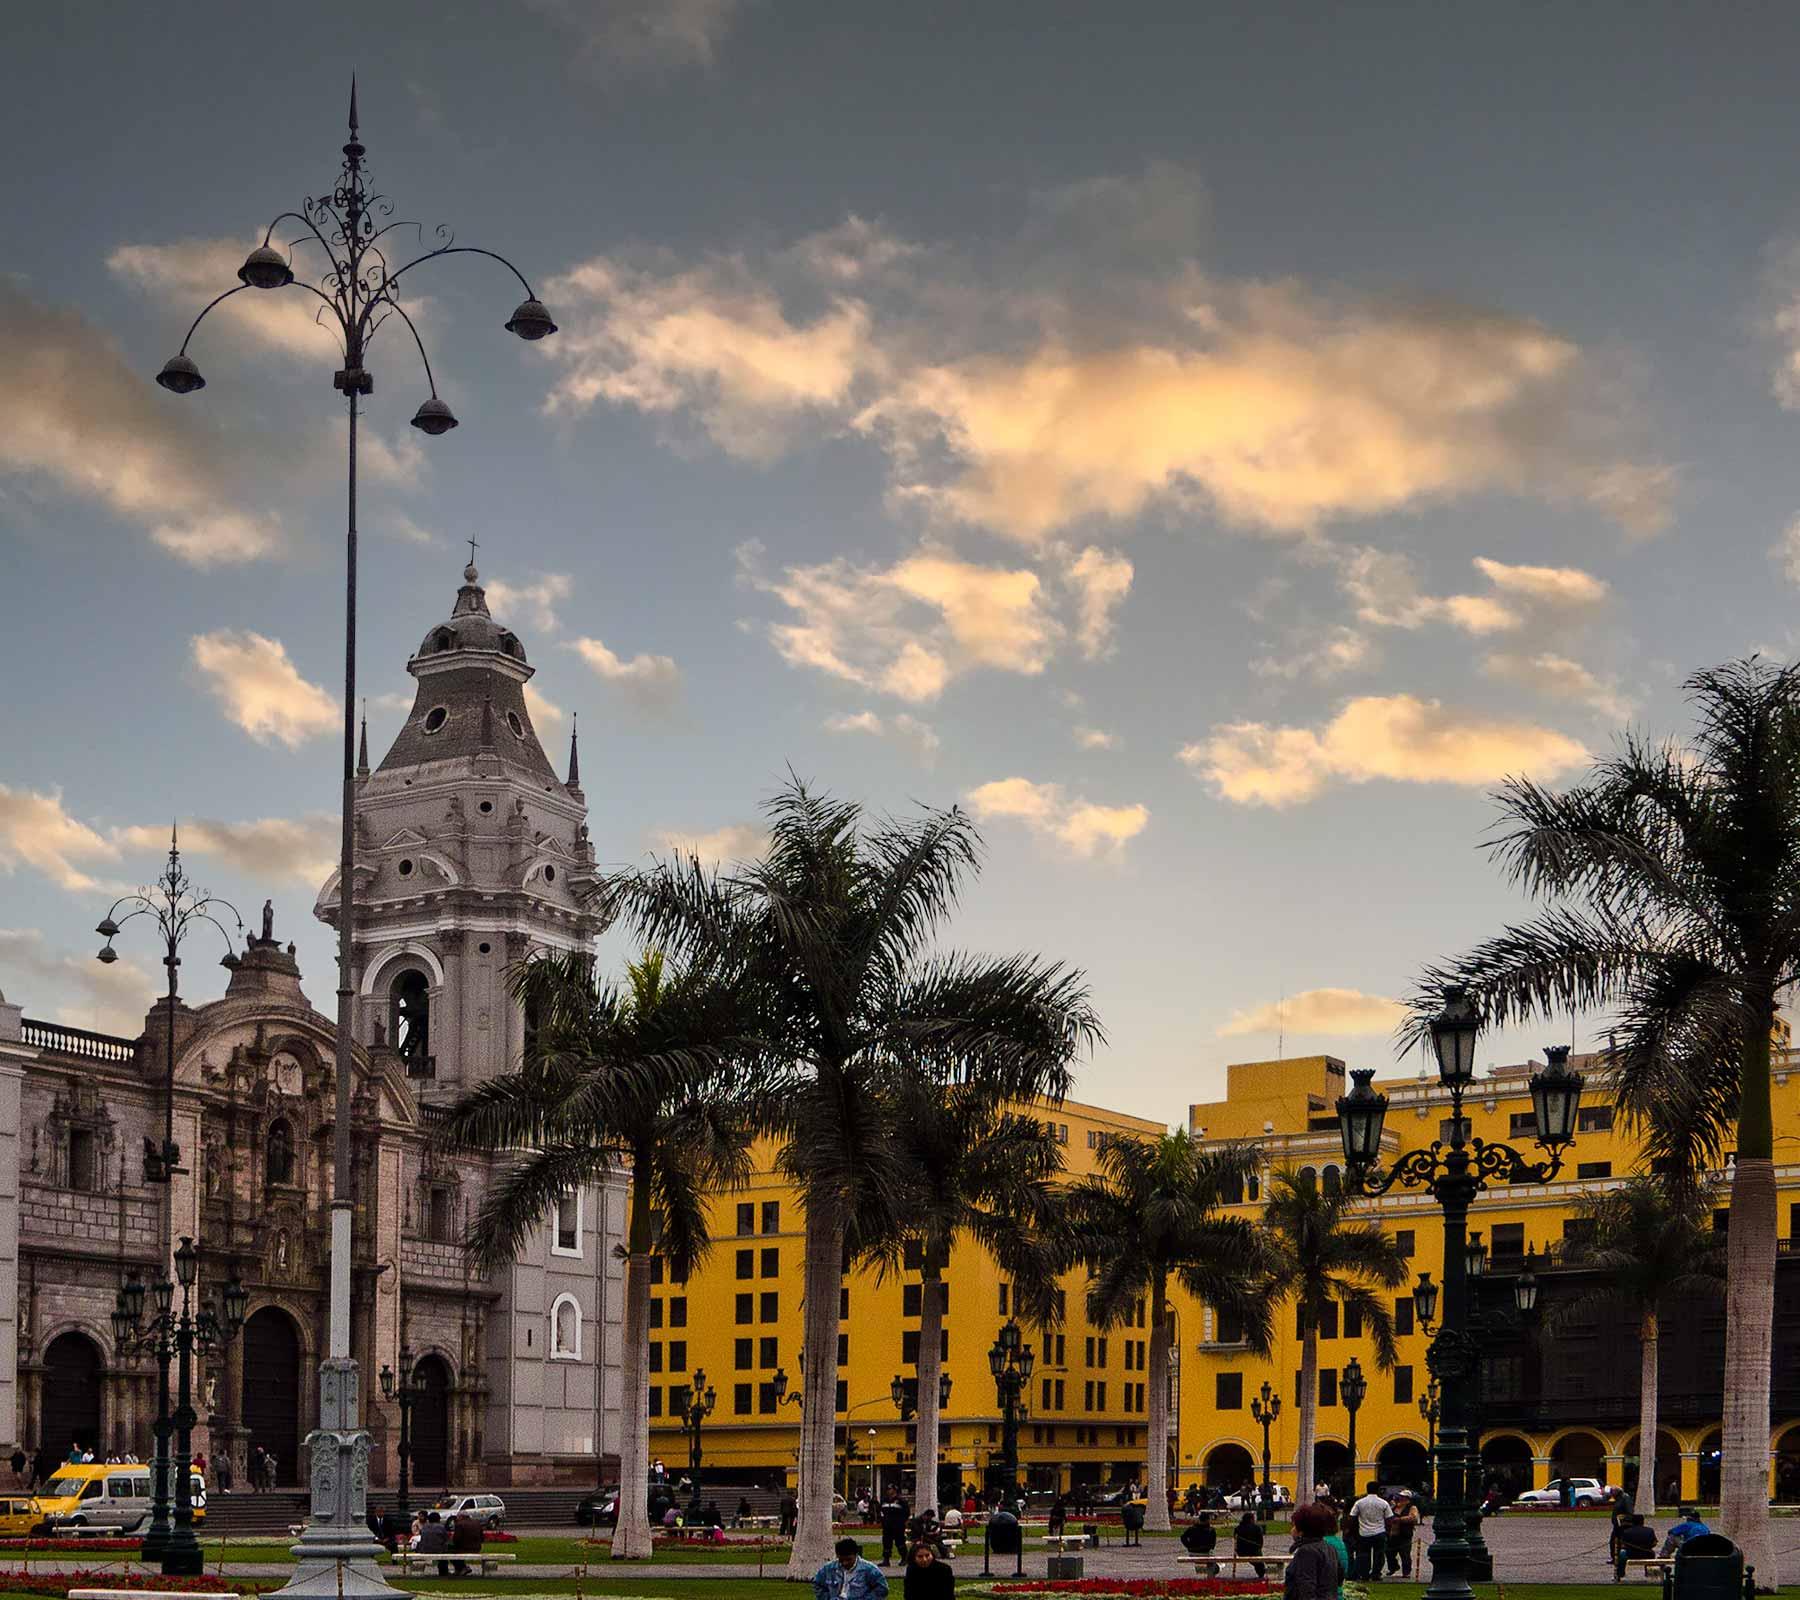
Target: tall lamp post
[
  {"x": 1454, "y": 1176},
  {"x": 182, "y": 1332},
  {"x": 699, "y": 1407},
  {"x": 1428, "y": 1409},
  {"x": 358, "y": 292},
  {"x": 177, "y": 908},
  {"x": 1353, "y": 1389},
  {"x": 1265, "y": 1408},
  {"x": 406, "y": 1391},
  {"x": 1011, "y": 1361}
]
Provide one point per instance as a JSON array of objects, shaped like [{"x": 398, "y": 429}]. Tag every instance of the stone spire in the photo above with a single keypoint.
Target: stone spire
[
  {"x": 362, "y": 746},
  {"x": 574, "y": 783}
]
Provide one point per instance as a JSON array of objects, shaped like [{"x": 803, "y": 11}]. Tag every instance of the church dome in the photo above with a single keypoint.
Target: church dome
[{"x": 471, "y": 626}]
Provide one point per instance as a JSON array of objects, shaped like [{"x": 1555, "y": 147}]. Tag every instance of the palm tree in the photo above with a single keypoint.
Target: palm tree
[
  {"x": 1671, "y": 882},
  {"x": 1148, "y": 1217},
  {"x": 829, "y": 936},
  {"x": 642, "y": 1077},
  {"x": 978, "y": 1171},
  {"x": 1322, "y": 1258},
  {"x": 1648, "y": 1240}
]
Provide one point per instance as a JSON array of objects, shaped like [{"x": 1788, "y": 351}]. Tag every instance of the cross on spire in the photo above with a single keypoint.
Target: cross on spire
[{"x": 472, "y": 548}]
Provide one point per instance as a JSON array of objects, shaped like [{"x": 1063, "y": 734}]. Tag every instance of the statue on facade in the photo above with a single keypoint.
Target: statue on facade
[{"x": 268, "y": 922}]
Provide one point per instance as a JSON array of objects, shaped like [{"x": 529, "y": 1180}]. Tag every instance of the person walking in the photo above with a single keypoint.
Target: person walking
[
  {"x": 1247, "y": 1540},
  {"x": 1370, "y": 1515},
  {"x": 789, "y": 1511},
  {"x": 1059, "y": 1517},
  {"x": 1314, "y": 1572},
  {"x": 1402, "y": 1529},
  {"x": 928, "y": 1575},
  {"x": 1623, "y": 1507},
  {"x": 847, "y": 1576},
  {"x": 892, "y": 1516}
]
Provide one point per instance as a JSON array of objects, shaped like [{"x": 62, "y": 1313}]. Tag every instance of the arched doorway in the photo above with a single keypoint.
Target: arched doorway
[
  {"x": 1710, "y": 1458},
  {"x": 272, "y": 1389},
  {"x": 431, "y": 1423},
  {"x": 1229, "y": 1467},
  {"x": 1506, "y": 1464},
  {"x": 1332, "y": 1466},
  {"x": 1578, "y": 1455},
  {"x": 1666, "y": 1482},
  {"x": 1403, "y": 1461},
  {"x": 72, "y": 1395}
]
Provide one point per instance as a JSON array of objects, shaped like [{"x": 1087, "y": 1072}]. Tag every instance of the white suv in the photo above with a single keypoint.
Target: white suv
[
  {"x": 1583, "y": 1492},
  {"x": 487, "y": 1509}
]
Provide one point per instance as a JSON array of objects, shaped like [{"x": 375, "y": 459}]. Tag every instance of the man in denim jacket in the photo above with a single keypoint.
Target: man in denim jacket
[{"x": 849, "y": 1577}]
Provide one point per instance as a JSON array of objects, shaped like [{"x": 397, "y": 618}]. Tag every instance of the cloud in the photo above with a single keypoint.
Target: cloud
[
  {"x": 909, "y": 629},
  {"x": 1101, "y": 580},
  {"x": 1384, "y": 590},
  {"x": 397, "y": 525},
  {"x": 534, "y": 602},
  {"x": 1082, "y": 827},
  {"x": 1318, "y": 654},
  {"x": 650, "y": 680},
  {"x": 251, "y": 676},
  {"x": 1559, "y": 678},
  {"x": 1096, "y": 739},
  {"x": 644, "y": 35},
  {"x": 544, "y": 712},
  {"x": 1787, "y": 551},
  {"x": 36, "y": 832},
  {"x": 919, "y": 737},
  {"x": 1561, "y": 588},
  {"x": 106, "y": 998},
  {"x": 300, "y": 850},
  {"x": 737, "y": 841},
  {"x": 1332, "y": 1011},
  {"x": 1030, "y": 391},
  {"x": 188, "y": 273},
  {"x": 75, "y": 414},
  {"x": 1400, "y": 738}
]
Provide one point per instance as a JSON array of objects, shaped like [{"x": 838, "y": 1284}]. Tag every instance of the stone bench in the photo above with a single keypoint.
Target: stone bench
[
  {"x": 418, "y": 1560},
  {"x": 1225, "y": 1559},
  {"x": 1649, "y": 1566}
]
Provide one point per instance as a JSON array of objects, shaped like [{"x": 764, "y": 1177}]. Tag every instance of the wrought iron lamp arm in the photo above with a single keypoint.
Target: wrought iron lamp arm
[
  {"x": 455, "y": 250},
  {"x": 1502, "y": 1162},
  {"x": 1417, "y": 1169},
  {"x": 311, "y": 227},
  {"x": 430, "y": 377},
  {"x": 208, "y": 307}
]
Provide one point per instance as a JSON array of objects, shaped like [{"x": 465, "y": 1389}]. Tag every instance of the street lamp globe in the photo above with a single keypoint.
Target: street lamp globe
[
  {"x": 943, "y": 1390},
  {"x": 531, "y": 321},
  {"x": 106, "y": 955},
  {"x": 265, "y": 268},
  {"x": 434, "y": 417},
  {"x": 1360, "y": 1116},
  {"x": 187, "y": 1262},
  {"x": 1354, "y": 1386},
  {"x": 164, "y": 1293},
  {"x": 386, "y": 1375},
  {"x": 179, "y": 375},
  {"x": 1525, "y": 1290},
  {"x": 1556, "y": 1098},
  {"x": 1474, "y": 1256},
  {"x": 1453, "y": 1033},
  {"x": 897, "y": 1392},
  {"x": 237, "y": 1302},
  {"x": 1425, "y": 1300}
]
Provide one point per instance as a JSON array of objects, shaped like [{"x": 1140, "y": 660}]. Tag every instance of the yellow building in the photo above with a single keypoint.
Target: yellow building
[
  {"x": 1567, "y": 1402},
  {"x": 738, "y": 1319}
]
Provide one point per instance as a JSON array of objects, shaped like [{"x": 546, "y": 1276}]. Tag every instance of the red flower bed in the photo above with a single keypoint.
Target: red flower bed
[
  {"x": 1147, "y": 1587},
  {"x": 498, "y": 1536},
  {"x": 60, "y": 1583}
]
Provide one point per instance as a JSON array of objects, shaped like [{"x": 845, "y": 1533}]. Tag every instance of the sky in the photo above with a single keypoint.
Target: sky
[{"x": 1212, "y": 444}]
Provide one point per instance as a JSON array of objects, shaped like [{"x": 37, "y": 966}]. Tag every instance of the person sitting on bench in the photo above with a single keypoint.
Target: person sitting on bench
[
  {"x": 1200, "y": 1538},
  {"x": 1636, "y": 1542}
]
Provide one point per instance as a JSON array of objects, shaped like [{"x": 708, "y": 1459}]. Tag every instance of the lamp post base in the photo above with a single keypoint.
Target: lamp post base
[{"x": 336, "y": 1555}]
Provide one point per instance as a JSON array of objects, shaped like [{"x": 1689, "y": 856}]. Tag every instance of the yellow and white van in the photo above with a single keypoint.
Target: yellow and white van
[{"x": 106, "y": 1494}]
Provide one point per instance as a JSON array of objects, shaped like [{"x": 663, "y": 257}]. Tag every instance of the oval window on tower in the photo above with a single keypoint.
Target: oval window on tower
[
  {"x": 512, "y": 721},
  {"x": 435, "y": 718}
]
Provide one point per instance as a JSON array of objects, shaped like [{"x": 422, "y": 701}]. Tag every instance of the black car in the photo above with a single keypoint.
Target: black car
[{"x": 598, "y": 1510}]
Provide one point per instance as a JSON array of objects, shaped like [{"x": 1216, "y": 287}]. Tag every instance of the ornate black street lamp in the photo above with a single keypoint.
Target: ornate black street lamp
[
  {"x": 358, "y": 292},
  {"x": 1454, "y": 1175},
  {"x": 177, "y": 907},
  {"x": 906, "y": 1395},
  {"x": 779, "y": 1384},
  {"x": 181, "y": 1333},
  {"x": 699, "y": 1407},
  {"x": 406, "y": 1390},
  {"x": 1353, "y": 1389},
  {"x": 1428, "y": 1409},
  {"x": 1265, "y": 1408},
  {"x": 1011, "y": 1361}
]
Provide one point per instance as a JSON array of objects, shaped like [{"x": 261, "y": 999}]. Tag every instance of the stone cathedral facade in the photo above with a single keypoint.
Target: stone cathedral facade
[{"x": 471, "y": 853}]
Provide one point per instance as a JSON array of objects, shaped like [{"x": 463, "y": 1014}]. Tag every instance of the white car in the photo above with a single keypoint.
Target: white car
[
  {"x": 1583, "y": 1492},
  {"x": 487, "y": 1509},
  {"x": 1250, "y": 1499}
]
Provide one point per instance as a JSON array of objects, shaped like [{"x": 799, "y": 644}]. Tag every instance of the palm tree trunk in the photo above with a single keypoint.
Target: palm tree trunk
[
  {"x": 1156, "y": 1469},
  {"x": 1750, "y": 1315},
  {"x": 1645, "y": 1500},
  {"x": 930, "y": 1363},
  {"x": 631, "y": 1537},
  {"x": 1307, "y": 1448},
  {"x": 818, "y": 1413}
]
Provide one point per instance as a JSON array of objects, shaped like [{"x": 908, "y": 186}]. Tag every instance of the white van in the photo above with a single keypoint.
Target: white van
[
  {"x": 487, "y": 1509},
  {"x": 108, "y": 1495}
]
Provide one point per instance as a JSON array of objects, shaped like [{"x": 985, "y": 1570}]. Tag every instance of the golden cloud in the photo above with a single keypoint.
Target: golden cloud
[
  {"x": 261, "y": 690},
  {"x": 1328, "y": 1011}
]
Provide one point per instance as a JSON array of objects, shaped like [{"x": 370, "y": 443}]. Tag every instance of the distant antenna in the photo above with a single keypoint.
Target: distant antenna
[{"x": 1281, "y": 1026}]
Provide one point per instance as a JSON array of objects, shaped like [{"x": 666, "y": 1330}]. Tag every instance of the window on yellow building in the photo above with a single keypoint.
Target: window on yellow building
[
  {"x": 1004, "y": 1296},
  {"x": 1447, "y": 1129},
  {"x": 656, "y": 1270},
  {"x": 742, "y": 1353},
  {"x": 678, "y": 1398},
  {"x": 678, "y": 1311},
  {"x": 1100, "y": 1395},
  {"x": 1048, "y": 1391},
  {"x": 1327, "y": 1386},
  {"x": 746, "y": 1263},
  {"x": 1062, "y": 1356},
  {"x": 1059, "y": 1394},
  {"x": 843, "y": 1349},
  {"x": 746, "y": 1216},
  {"x": 656, "y": 1354},
  {"x": 1087, "y": 1350},
  {"x": 909, "y": 1299},
  {"x": 1093, "y": 1138},
  {"x": 1522, "y": 1124},
  {"x": 909, "y": 1348},
  {"x": 1593, "y": 1119},
  {"x": 843, "y": 1305},
  {"x": 842, "y": 1400},
  {"x": 656, "y": 1313},
  {"x": 1353, "y": 1322},
  {"x": 771, "y": 1263},
  {"x": 1509, "y": 1241},
  {"x": 767, "y": 1353},
  {"x": 1328, "y": 1320},
  {"x": 1087, "y": 1395},
  {"x": 740, "y": 1399},
  {"x": 1334, "y": 1181},
  {"x": 769, "y": 1307},
  {"x": 1593, "y": 1169},
  {"x": 1403, "y": 1389},
  {"x": 678, "y": 1355},
  {"x": 1403, "y": 1314},
  {"x": 1228, "y": 1391},
  {"x": 1403, "y": 1241},
  {"x": 655, "y": 1400},
  {"x": 745, "y": 1306},
  {"x": 1228, "y": 1327},
  {"x": 771, "y": 1216},
  {"x": 765, "y": 1399},
  {"x": 1578, "y": 1229},
  {"x": 912, "y": 1255},
  {"x": 1102, "y": 1347}
]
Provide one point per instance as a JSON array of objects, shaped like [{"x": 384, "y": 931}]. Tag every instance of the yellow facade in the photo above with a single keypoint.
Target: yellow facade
[
  {"x": 1287, "y": 1108},
  {"x": 739, "y": 1319}
]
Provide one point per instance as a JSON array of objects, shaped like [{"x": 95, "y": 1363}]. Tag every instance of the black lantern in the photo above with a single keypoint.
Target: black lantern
[
  {"x": 943, "y": 1390},
  {"x": 1556, "y": 1097},
  {"x": 996, "y": 1359},
  {"x": 133, "y": 1298},
  {"x": 121, "y": 1320},
  {"x": 434, "y": 417},
  {"x": 897, "y": 1392},
  {"x": 1425, "y": 1300},
  {"x": 237, "y": 1303},
  {"x": 1360, "y": 1116},
  {"x": 778, "y": 1385},
  {"x": 531, "y": 321},
  {"x": 1525, "y": 1289},
  {"x": 1011, "y": 1336},
  {"x": 163, "y": 1292},
  {"x": 1453, "y": 1032},
  {"x": 1474, "y": 1256},
  {"x": 1027, "y": 1360},
  {"x": 1353, "y": 1386},
  {"x": 387, "y": 1381},
  {"x": 187, "y": 1262},
  {"x": 265, "y": 268},
  {"x": 179, "y": 375}
]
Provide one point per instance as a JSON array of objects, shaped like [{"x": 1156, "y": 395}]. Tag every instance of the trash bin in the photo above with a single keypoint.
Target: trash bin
[
  {"x": 1708, "y": 1567},
  {"x": 1063, "y": 1565},
  {"x": 1092, "y": 1530},
  {"x": 1131, "y": 1518},
  {"x": 1004, "y": 1537}
]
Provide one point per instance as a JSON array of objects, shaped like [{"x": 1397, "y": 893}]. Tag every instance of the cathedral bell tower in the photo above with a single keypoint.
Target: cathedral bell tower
[{"x": 470, "y": 853}]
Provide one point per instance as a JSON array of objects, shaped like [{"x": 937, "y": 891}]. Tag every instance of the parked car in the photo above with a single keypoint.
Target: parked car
[
  {"x": 1583, "y": 1492},
  {"x": 1251, "y": 1499},
  {"x": 598, "y": 1510},
  {"x": 487, "y": 1509},
  {"x": 20, "y": 1515}
]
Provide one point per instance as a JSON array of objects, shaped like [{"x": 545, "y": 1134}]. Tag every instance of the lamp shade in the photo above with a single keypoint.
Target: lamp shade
[
  {"x": 897, "y": 1392},
  {"x": 107, "y": 928},
  {"x": 778, "y": 1384},
  {"x": 163, "y": 1292},
  {"x": 237, "y": 1303},
  {"x": 1353, "y": 1386},
  {"x": 266, "y": 268},
  {"x": 132, "y": 1298},
  {"x": 1453, "y": 1033},
  {"x": 1556, "y": 1098},
  {"x": 1425, "y": 1299},
  {"x": 434, "y": 417},
  {"x": 996, "y": 1358},
  {"x": 1361, "y": 1113},
  {"x": 1525, "y": 1289},
  {"x": 387, "y": 1381},
  {"x": 121, "y": 1325},
  {"x": 531, "y": 321},
  {"x": 1474, "y": 1256},
  {"x": 1027, "y": 1361},
  {"x": 943, "y": 1390},
  {"x": 187, "y": 1262},
  {"x": 1011, "y": 1336},
  {"x": 180, "y": 376},
  {"x": 106, "y": 955}
]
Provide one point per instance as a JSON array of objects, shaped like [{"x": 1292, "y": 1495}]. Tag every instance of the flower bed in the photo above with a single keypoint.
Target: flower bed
[
  {"x": 1138, "y": 1588},
  {"x": 498, "y": 1536},
  {"x": 58, "y": 1584}
]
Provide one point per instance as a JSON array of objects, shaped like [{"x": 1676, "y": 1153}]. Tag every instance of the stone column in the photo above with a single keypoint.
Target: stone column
[
  {"x": 1540, "y": 1472},
  {"x": 1690, "y": 1476},
  {"x": 1614, "y": 1470}
]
